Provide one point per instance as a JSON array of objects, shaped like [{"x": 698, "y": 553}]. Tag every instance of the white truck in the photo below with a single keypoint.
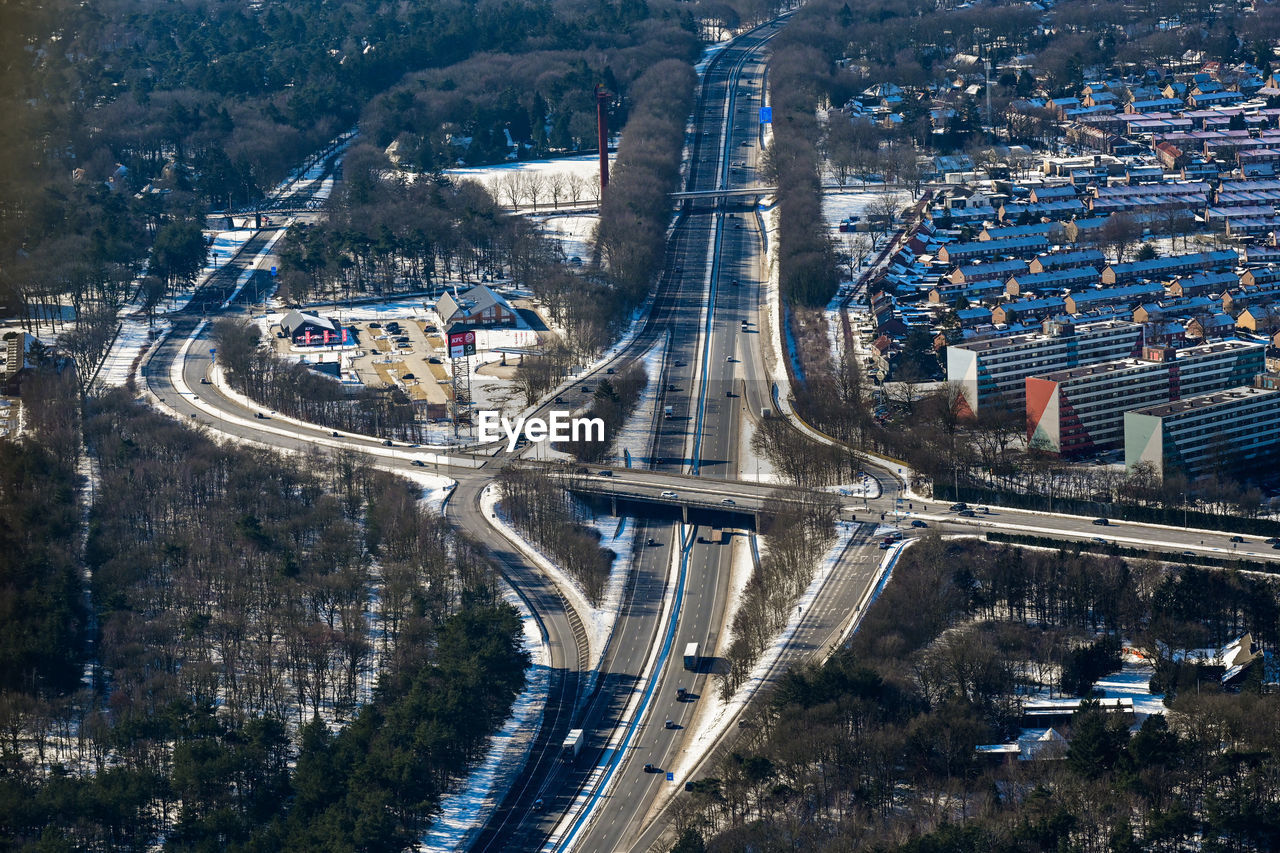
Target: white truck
[
  {"x": 691, "y": 657},
  {"x": 572, "y": 745},
  {"x": 668, "y": 412}
]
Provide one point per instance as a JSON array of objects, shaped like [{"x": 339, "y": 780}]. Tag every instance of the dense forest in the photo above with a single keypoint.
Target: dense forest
[
  {"x": 874, "y": 750},
  {"x": 238, "y": 606},
  {"x": 118, "y": 131}
]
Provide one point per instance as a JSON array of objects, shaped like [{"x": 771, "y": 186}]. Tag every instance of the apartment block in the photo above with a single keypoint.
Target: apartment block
[
  {"x": 995, "y": 370},
  {"x": 1233, "y": 430},
  {"x": 1081, "y": 410}
]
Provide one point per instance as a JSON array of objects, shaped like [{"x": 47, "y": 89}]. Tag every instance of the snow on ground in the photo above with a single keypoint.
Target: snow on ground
[
  {"x": 1131, "y": 681},
  {"x": 857, "y": 201},
  {"x": 464, "y": 811},
  {"x": 586, "y": 167},
  {"x": 866, "y": 487},
  {"x": 618, "y": 537},
  {"x": 750, "y": 466},
  {"x": 635, "y": 435},
  {"x": 573, "y": 232}
]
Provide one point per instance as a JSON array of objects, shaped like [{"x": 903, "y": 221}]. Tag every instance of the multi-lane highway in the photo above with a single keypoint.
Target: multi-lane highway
[{"x": 708, "y": 310}]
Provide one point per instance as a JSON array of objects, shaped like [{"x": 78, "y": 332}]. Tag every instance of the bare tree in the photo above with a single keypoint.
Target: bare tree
[
  {"x": 511, "y": 186},
  {"x": 556, "y": 185},
  {"x": 576, "y": 186},
  {"x": 535, "y": 188},
  {"x": 1119, "y": 233}
]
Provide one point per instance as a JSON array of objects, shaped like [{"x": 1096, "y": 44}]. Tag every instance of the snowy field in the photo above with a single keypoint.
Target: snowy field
[
  {"x": 585, "y": 168},
  {"x": 857, "y": 201},
  {"x": 574, "y": 233}
]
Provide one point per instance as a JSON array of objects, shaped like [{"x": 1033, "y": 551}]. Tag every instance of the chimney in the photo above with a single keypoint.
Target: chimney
[{"x": 602, "y": 132}]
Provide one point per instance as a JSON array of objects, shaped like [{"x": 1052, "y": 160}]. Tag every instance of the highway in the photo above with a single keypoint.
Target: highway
[{"x": 707, "y": 307}]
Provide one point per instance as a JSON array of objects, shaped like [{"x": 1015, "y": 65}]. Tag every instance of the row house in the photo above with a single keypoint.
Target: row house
[
  {"x": 1168, "y": 267},
  {"x": 1126, "y": 296},
  {"x": 1067, "y": 259},
  {"x": 1073, "y": 277},
  {"x": 959, "y": 253}
]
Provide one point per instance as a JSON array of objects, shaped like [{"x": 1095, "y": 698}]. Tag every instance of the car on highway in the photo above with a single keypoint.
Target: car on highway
[
  {"x": 335, "y": 433},
  {"x": 1099, "y": 540},
  {"x": 1101, "y": 522},
  {"x": 670, "y": 724},
  {"x": 651, "y": 541},
  {"x": 1237, "y": 538},
  {"x": 260, "y": 416},
  {"x": 605, "y": 472},
  {"x": 967, "y": 513},
  {"x": 1272, "y": 540},
  {"x": 915, "y": 522},
  {"x": 886, "y": 545},
  {"x": 681, "y": 694},
  {"x": 728, "y": 502},
  {"x": 386, "y": 442},
  {"x": 649, "y": 768},
  {"x": 670, "y": 494},
  {"x": 958, "y": 507},
  {"x": 418, "y": 463},
  {"x": 204, "y": 380}
]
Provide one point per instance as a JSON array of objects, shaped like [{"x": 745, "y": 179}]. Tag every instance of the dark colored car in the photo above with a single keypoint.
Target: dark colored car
[
  {"x": 915, "y": 522},
  {"x": 649, "y": 768},
  {"x": 1101, "y": 522}
]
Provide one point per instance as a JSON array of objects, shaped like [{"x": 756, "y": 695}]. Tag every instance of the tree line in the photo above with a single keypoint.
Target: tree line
[
  {"x": 234, "y": 598},
  {"x": 793, "y": 541},
  {"x": 553, "y": 520},
  {"x": 613, "y": 401},
  {"x": 875, "y": 748},
  {"x": 635, "y": 211}
]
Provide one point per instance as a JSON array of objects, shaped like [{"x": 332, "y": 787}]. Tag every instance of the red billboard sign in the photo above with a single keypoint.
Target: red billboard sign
[{"x": 462, "y": 344}]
